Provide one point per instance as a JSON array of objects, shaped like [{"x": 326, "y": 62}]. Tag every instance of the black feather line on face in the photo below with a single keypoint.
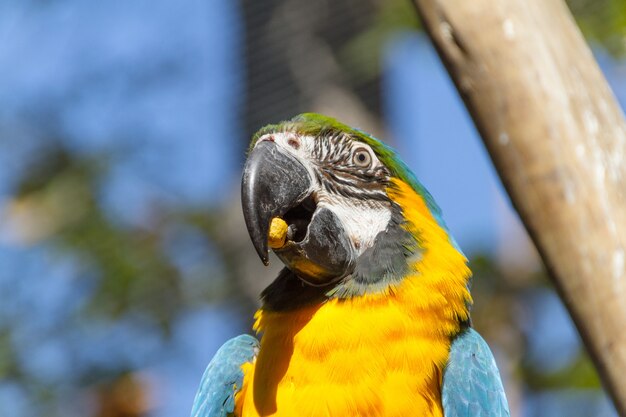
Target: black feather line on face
[
  {"x": 351, "y": 188},
  {"x": 340, "y": 176}
]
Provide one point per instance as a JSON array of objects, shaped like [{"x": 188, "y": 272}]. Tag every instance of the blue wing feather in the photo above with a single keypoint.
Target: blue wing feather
[
  {"x": 471, "y": 381},
  {"x": 224, "y": 377}
]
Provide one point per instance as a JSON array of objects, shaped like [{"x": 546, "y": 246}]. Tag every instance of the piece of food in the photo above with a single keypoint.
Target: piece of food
[{"x": 278, "y": 233}]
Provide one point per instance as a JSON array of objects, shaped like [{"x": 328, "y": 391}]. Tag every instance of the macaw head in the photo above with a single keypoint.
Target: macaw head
[{"x": 356, "y": 215}]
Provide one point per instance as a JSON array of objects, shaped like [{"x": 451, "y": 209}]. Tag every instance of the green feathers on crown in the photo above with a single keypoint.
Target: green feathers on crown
[{"x": 313, "y": 124}]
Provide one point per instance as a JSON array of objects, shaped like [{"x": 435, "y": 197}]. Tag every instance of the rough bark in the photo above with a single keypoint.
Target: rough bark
[{"x": 558, "y": 140}]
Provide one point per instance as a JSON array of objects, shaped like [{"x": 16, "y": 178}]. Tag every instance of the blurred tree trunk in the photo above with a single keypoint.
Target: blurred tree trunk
[
  {"x": 558, "y": 139},
  {"x": 293, "y": 51}
]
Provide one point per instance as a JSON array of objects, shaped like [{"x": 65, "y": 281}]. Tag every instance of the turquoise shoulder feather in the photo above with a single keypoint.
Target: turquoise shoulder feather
[
  {"x": 471, "y": 381},
  {"x": 224, "y": 377}
]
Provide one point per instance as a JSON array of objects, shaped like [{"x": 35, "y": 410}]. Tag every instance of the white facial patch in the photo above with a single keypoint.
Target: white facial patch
[
  {"x": 300, "y": 146},
  {"x": 361, "y": 221}
]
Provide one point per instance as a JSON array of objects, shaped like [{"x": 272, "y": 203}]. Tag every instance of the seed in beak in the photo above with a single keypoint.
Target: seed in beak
[{"x": 277, "y": 234}]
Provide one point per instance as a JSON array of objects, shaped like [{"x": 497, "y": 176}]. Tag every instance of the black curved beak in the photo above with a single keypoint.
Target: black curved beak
[
  {"x": 276, "y": 184},
  {"x": 273, "y": 182}
]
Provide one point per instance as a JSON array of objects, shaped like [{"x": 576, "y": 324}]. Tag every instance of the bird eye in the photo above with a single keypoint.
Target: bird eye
[{"x": 362, "y": 158}]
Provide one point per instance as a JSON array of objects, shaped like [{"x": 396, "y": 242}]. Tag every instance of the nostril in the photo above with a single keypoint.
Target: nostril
[
  {"x": 270, "y": 138},
  {"x": 294, "y": 143}
]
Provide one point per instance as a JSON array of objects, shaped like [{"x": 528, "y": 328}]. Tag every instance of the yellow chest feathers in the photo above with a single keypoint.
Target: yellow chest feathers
[
  {"x": 371, "y": 356},
  {"x": 376, "y": 355}
]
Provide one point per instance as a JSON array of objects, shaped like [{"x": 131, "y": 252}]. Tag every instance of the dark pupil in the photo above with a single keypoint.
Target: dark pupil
[{"x": 361, "y": 157}]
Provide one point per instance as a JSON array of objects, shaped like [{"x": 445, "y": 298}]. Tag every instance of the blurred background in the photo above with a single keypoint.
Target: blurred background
[{"x": 124, "y": 261}]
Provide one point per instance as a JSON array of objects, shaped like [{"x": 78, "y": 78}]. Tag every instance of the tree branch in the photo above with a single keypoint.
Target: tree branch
[{"x": 558, "y": 139}]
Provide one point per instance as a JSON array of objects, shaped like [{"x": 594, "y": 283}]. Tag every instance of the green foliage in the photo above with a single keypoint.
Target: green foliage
[
  {"x": 363, "y": 54},
  {"x": 579, "y": 374},
  {"x": 603, "y": 22},
  {"x": 133, "y": 271},
  {"x": 127, "y": 269}
]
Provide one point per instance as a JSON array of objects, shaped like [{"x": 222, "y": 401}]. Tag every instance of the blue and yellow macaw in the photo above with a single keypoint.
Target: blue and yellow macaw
[{"x": 370, "y": 316}]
